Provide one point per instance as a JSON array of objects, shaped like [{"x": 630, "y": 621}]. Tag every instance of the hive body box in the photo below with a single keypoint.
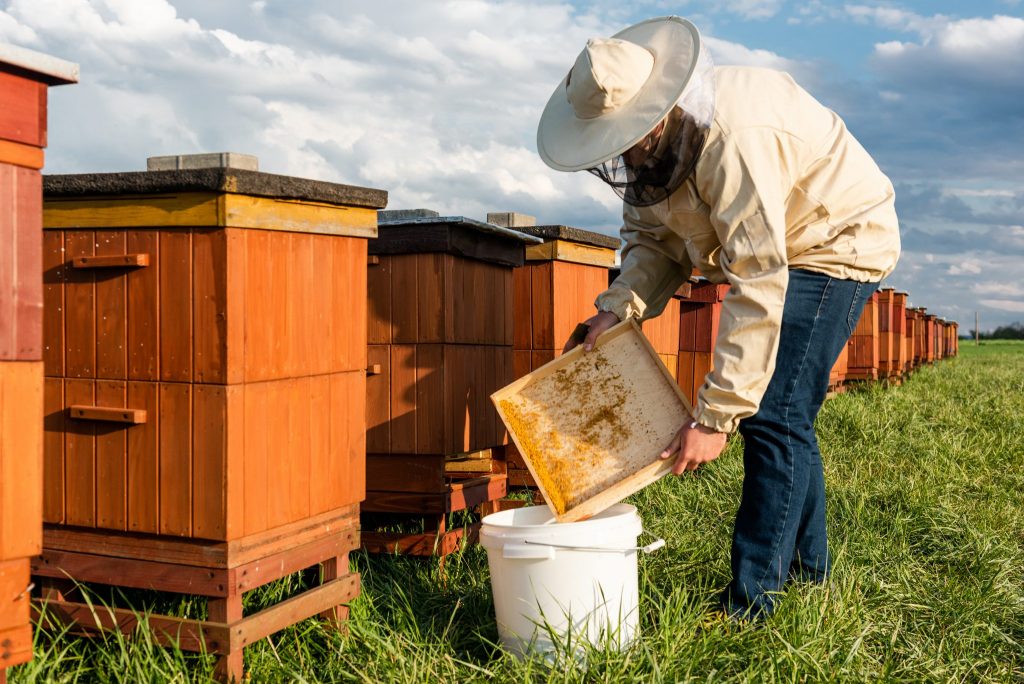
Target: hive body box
[
  {"x": 699, "y": 315},
  {"x": 863, "y": 357},
  {"x": 25, "y": 77},
  {"x": 205, "y": 384},
  {"x": 440, "y": 334},
  {"x": 552, "y": 292}
]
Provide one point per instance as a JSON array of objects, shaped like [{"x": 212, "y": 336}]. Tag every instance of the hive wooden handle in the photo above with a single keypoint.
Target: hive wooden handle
[
  {"x": 109, "y": 414},
  {"x": 373, "y": 260},
  {"x": 113, "y": 261},
  {"x": 373, "y": 369}
]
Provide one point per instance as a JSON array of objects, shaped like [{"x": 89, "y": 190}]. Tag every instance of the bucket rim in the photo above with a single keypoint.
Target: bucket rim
[{"x": 620, "y": 513}]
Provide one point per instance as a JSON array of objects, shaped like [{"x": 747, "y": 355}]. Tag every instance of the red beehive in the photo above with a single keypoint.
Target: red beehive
[
  {"x": 205, "y": 389},
  {"x": 440, "y": 334},
  {"x": 898, "y": 367},
  {"x": 552, "y": 292},
  {"x": 699, "y": 319},
  {"x": 863, "y": 344},
  {"x": 929, "y": 338},
  {"x": 887, "y": 355},
  {"x": 24, "y": 80}
]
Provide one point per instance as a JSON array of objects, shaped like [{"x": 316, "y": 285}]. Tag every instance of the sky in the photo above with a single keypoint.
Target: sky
[{"x": 437, "y": 102}]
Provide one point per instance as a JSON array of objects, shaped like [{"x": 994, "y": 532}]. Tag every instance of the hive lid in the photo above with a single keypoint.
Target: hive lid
[
  {"x": 217, "y": 180},
  {"x": 455, "y": 235},
  {"x": 461, "y": 221},
  {"x": 570, "y": 234},
  {"x": 40, "y": 66}
]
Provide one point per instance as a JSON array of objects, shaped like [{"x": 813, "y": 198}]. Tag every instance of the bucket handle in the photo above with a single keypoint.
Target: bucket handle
[{"x": 648, "y": 549}]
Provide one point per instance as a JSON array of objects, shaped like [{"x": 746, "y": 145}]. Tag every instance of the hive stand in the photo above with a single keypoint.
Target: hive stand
[
  {"x": 440, "y": 336},
  {"x": 553, "y": 291},
  {"x": 205, "y": 391},
  {"x": 25, "y": 77}
]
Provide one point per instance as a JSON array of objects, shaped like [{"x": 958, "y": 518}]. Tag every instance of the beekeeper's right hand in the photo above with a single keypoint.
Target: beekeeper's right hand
[{"x": 597, "y": 323}]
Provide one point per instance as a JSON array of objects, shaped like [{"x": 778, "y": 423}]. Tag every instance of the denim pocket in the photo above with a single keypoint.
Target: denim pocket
[{"x": 856, "y": 306}]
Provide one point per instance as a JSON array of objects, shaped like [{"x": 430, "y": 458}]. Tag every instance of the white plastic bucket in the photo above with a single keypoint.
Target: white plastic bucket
[{"x": 570, "y": 582}]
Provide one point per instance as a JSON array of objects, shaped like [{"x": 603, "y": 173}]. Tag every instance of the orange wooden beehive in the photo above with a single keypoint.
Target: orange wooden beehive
[
  {"x": 440, "y": 335},
  {"x": 25, "y": 77},
  {"x": 699, "y": 314},
  {"x": 886, "y": 333},
  {"x": 662, "y": 331},
  {"x": 205, "y": 364},
  {"x": 552, "y": 292},
  {"x": 863, "y": 359},
  {"x": 898, "y": 364}
]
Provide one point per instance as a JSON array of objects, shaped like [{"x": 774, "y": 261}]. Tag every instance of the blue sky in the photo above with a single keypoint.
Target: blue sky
[{"x": 437, "y": 102}]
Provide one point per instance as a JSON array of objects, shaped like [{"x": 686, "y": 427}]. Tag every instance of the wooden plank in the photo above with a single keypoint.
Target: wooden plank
[
  {"x": 80, "y": 314},
  {"x": 405, "y": 473},
  {"x": 321, "y": 417},
  {"x": 17, "y": 646},
  {"x": 210, "y": 275},
  {"x": 22, "y": 119},
  {"x": 20, "y": 154},
  {"x": 277, "y": 433},
  {"x": 298, "y": 335},
  {"x": 349, "y": 281},
  {"x": 307, "y": 604},
  {"x": 429, "y": 399},
  {"x": 323, "y": 329},
  {"x": 684, "y": 374},
  {"x": 144, "y": 461},
  {"x": 297, "y": 216},
  {"x": 108, "y": 414},
  {"x": 111, "y": 310},
  {"x": 175, "y": 459},
  {"x": 21, "y": 296},
  {"x": 257, "y": 573},
  {"x": 404, "y": 299},
  {"x": 53, "y": 450},
  {"x": 132, "y": 573},
  {"x": 79, "y": 457},
  {"x": 347, "y": 472},
  {"x": 561, "y": 407},
  {"x": 209, "y": 461},
  {"x": 188, "y": 635},
  {"x": 542, "y": 356},
  {"x": 15, "y": 590},
  {"x": 420, "y": 544},
  {"x": 257, "y": 416},
  {"x": 111, "y": 450},
  {"x": 430, "y": 298},
  {"x": 133, "y": 212},
  {"x": 572, "y": 252},
  {"x": 296, "y": 454},
  {"x": 543, "y": 306},
  {"x": 403, "y": 399},
  {"x": 53, "y": 302},
  {"x": 262, "y": 326},
  {"x": 521, "y": 363},
  {"x": 465, "y": 495},
  {"x": 175, "y": 306},
  {"x": 143, "y": 308},
  {"x": 378, "y": 400},
  {"x": 404, "y": 502},
  {"x": 21, "y": 457},
  {"x": 378, "y": 315}
]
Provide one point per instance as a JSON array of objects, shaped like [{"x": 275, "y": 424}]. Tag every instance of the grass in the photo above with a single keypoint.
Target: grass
[{"x": 926, "y": 485}]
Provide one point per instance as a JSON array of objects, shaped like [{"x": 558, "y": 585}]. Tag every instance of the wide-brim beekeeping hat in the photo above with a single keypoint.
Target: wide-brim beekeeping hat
[{"x": 618, "y": 90}]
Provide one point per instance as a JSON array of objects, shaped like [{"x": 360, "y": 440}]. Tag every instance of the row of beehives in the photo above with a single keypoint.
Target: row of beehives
[{"x": 207, "y": 371}]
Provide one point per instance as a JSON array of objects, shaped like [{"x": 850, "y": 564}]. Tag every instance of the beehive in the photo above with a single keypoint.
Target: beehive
[
  {"x": 700, "y": 312},
  {"x": 886, "y": 333},
  {"x": 440, "y": 335},
  {"x": 898, "y": 364},
  {"x": 552, "y": 292},
  {"x": 205, "y": 360},
  {"x": 25, "y": 78},
  {"x": 662, "y": 331},
  {"x": 863, "y": 359}
]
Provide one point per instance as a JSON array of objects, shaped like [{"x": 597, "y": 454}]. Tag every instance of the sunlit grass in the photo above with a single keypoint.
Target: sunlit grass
[{"x": 926, "y": 496}]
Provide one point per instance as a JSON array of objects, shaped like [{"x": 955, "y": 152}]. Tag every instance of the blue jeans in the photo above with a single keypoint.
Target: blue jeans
[{"x": 780, "y": 526}]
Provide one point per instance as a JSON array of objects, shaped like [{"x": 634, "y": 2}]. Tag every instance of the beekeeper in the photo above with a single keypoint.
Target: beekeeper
[{"x": 739, "y": 172}]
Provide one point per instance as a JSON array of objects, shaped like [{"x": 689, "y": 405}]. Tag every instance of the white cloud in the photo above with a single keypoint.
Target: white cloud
[
  {"x": 754, "y": 9},
  {"x": 997, "y": 288},
  {"x": 1004, "y": 305},
  {"x": 966, "y": 267}
]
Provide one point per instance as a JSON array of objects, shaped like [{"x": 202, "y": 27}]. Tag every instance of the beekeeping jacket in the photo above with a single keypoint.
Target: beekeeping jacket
[{"x": 780, "y": 184}]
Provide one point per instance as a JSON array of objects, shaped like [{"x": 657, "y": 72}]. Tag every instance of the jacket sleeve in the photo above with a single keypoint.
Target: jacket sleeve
[
  {"x": 745, "y": 178},
  {"x": 654, "y": 265}
]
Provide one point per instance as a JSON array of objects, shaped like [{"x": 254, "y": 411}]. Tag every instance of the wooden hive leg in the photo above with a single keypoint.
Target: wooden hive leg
[
  {"x": 332, "y": 569},
  {"x": 227, "y": 610},
  {"x": 57, "y": 589}
]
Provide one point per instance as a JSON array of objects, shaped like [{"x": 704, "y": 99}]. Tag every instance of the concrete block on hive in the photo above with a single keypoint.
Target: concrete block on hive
[
  {"x": 208, "y": 160},
  {"x": 511, "y": 219}
]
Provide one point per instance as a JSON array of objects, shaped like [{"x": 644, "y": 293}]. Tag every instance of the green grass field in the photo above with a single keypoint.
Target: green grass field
[{"x": 926, "y": 485}]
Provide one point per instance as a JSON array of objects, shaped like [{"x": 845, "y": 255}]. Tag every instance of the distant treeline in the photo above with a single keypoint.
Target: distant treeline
[{"x": 1013, "y": 331}]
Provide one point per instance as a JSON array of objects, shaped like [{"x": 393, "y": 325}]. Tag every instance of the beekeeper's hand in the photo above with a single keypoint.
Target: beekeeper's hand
[
  {"x": 696, "y": 445},
  {"x": 597, "y": 323}
]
